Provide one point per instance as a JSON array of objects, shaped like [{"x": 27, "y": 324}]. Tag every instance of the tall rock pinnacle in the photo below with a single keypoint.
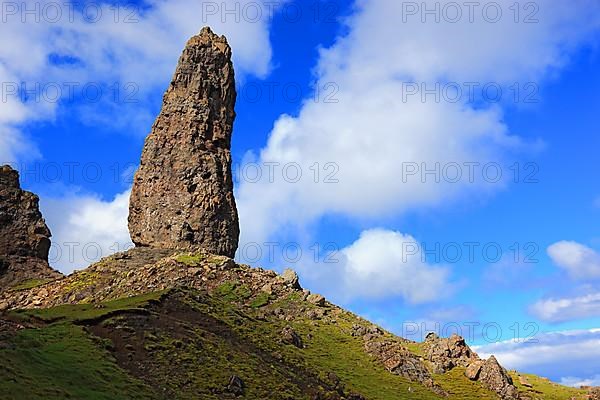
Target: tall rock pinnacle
[
  {"x": 24, "y": 236},
  {"x": 182, "y": 194}
]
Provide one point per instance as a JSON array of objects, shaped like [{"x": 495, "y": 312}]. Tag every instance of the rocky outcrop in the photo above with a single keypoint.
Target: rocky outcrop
[
  {"x": 447, "y": 353},
  {"x": 142, "y": 270},
  {"x": 594, "y": 393},
  {"x": 491, "y": 375},
  {"x": 289, "y": 336},
  {"x": 395, "y": 357},
  {"x": 316, "y": 299},
  {"x": 290, "y": 277},
  {"x": 182, "y": 195},
  {"x": 24, "y": 236},
  {"x": 444, "y": 354},
  {"x": 399, "y": 361},
  {"x": 236, "y": 386}
]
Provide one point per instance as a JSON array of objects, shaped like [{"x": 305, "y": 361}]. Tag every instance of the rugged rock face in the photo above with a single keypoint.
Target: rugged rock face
[
  {"x": 394, "y": 356},
  {"x": 492, "y": 375},
  {"x": 399, "y": 361},
  {"x": 446, "y": 354},
  {"x": 182, "y": 195},
  {"x": 24, "y": 236},
  {"x": 594, "y": 393}
]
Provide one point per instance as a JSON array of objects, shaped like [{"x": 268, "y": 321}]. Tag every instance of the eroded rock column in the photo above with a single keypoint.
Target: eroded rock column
[
  {"x": 24, "y": 236},
  {"x": 183, "y": 191}
]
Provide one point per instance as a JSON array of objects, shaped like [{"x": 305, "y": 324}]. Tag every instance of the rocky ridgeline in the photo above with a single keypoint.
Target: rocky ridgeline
[
  {"x": 182, "y": 194},
  {"x": 144, "y": 270},
  {"x": 24, "y": 236},
  {"x": 444, "y": 354}
]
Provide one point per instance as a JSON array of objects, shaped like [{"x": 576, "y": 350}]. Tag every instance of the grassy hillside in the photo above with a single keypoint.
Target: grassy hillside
[{"x": 223, "y": 338}]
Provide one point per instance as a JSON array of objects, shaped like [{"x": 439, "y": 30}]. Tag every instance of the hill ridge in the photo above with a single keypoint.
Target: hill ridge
[{"x": 276, "y": 304}]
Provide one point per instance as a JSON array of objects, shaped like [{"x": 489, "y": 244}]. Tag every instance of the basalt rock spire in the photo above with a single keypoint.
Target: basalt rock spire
[
  {"x": 182, "y": 195},
  {"x": 24, "y": 236}
]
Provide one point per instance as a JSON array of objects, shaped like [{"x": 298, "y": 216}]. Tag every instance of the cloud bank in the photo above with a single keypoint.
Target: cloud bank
[
  {"x": 381, "y": 264},
  {"x": 85, "y": 229},
  {"x": 569, "y": 356},
  {"x": 579, "y": 261},
  {"x": 372, "y": 127},
  {"x": 582, "y": 265},
  {"x": 567, "y": 308}
]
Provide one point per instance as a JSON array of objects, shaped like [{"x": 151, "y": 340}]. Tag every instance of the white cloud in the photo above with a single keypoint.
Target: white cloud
[
  {"x": 578, "y": 382},
  {"x": 85, "y": 229},
  {"x": 556, "y": 355},
  {"x": 579, "y": 261},
  {"x": 139, "y": 56},
  {"x": 568, "y": 308},
  {"x": 13, "y": 145},
  {"x": 13, "y": 112},
  {"x": 145, "y": 49},
  {"x": 370, "y": 133},
  {"x": 381, "y": 264}
]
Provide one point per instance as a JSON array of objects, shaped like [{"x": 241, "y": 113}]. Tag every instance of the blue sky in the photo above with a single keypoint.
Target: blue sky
[{"x": 386, "y": 235}]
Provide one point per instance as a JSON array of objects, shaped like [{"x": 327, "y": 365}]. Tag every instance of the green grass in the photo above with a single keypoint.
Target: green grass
[
  {"x": 415, "y": 348},
  {"x": 545, "y": 389},
  {"x": 82, "y": 312},
  {"x": 233, "y": 291},
  {"x": 60, "y": 362},
  {"x": 335, "y": 350},
  {"x": 261, "y": 300},
  {"x": 460, "y": 387},
  {"x": 189, "y": 361},
  {"x": 29, "y": 284},
  {"x": 331, "y": 348},
  {"x": 192, "y": 260},
  {"x": 84, "y": 279},
  {"x": 209, "y": 361}
]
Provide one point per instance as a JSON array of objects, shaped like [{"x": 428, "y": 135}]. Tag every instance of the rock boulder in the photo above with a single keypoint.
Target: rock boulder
[{"x": 493, "y": 376}]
